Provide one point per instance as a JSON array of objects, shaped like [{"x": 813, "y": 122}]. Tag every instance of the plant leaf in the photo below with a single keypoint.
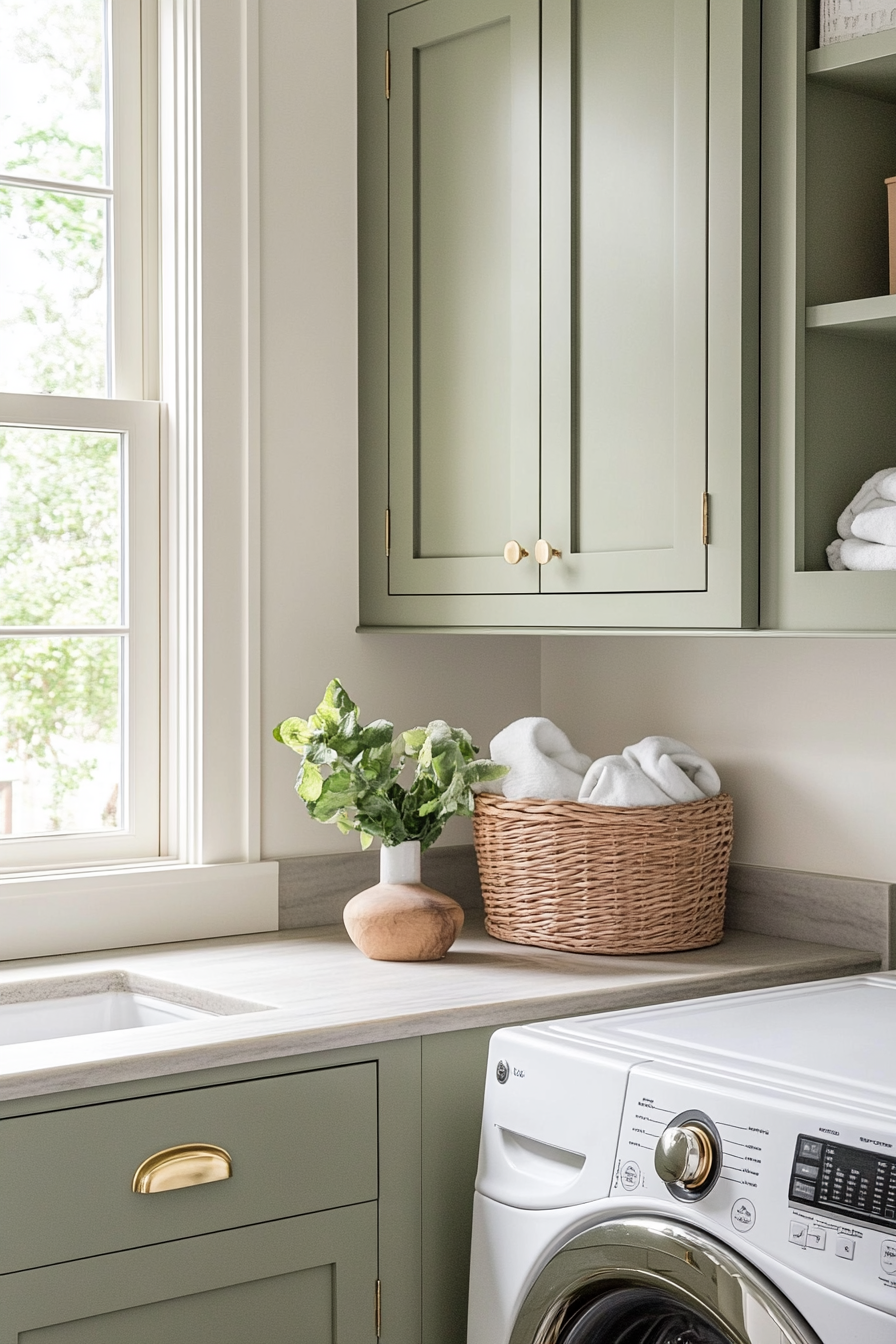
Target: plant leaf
[
  {"x": 293, "y": 733},
  {"x": 310, "y": 783}
]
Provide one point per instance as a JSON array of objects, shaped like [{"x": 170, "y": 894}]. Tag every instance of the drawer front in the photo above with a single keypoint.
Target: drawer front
[{"x": 299, "y": 1143}]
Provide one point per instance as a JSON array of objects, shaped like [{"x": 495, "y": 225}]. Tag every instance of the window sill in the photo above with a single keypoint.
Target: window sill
[{"x": 161, "y": 900}]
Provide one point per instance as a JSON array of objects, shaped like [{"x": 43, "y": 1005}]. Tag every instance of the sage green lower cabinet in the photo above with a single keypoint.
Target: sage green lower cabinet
[
  {"x": 558, "y": 313},
  {"x": 308, "y": 1279},
  {"x": 299, "y": 1143},
  {"x": 351, "y": 1168},
  {"x": 453, "y": 1088}
]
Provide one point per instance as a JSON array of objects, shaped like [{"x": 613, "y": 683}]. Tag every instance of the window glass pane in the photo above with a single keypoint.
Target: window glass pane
[
  {"x": 60, "y": 720},
  {"x": 60, "y": 527},
  {"x": 53, "y": 299},
  {"x": 52, "y": 94}
]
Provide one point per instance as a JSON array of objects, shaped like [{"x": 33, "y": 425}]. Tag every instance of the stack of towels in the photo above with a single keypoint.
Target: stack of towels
[
  {"x": 867, "y": 527},
  {"x": 655, "y": 772}
]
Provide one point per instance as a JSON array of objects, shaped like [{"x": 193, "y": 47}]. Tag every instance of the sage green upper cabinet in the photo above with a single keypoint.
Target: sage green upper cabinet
[
  {"x": 464, "y": 294},
  {"x": 829, "y": 354},
  {"x": 625, "y": 329},
  {"x": 558, "y": 313}
]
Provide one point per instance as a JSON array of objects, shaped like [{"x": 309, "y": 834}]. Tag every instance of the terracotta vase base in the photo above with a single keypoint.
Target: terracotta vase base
[{"x": 403, "y": 921}]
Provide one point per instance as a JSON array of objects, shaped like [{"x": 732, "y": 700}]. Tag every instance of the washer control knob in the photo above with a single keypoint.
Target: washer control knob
[{"x": 684, "y": 1156}]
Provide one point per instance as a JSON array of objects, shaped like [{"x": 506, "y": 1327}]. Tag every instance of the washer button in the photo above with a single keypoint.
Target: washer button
[
  {"x": 816, "y": 1238},
  {"x": 846, "y": 1248},
  {"x": 630, "y": 1176},
  {"x": 888, "y": 1257},
  {"x": 798, "y": 1233},
  {"x": 811, "y": 1148},
  {"x": 743, "y": 1215},
  {"x": 502, "y": 1072}
]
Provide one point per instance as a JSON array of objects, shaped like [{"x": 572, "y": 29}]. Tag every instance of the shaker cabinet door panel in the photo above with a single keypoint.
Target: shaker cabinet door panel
[
  {"x": 310, "y": 1278},
  {"x": 463, "y": 295},
  {"x": 559, "y": 313},
  {"x": 625, "y": 294}
]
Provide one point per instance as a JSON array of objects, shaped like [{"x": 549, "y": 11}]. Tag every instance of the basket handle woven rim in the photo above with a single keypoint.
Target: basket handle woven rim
[{"x": 492, "y": 800}]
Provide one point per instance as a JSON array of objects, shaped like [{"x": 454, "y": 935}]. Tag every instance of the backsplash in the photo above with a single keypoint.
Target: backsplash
[{"x": 809, "y": 907}]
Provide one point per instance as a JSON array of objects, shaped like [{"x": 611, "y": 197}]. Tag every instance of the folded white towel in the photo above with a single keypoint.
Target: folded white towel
[
  {"x": 834, "y": 559},
  {"x": 867, "y": 555},
  {"x": 542, "y": 760},
  {"x": 877, "y": 524},
  {"x": 653, "y": 773},
  {"x": 878, "y": 489},
  {"x": 615, "y": 781}
]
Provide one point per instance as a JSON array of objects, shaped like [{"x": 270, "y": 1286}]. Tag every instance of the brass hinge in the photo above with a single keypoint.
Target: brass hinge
[
  {"x": 388, "y": 73},
  {"x": 388, "y": 532},
  {"x": 705, "y": 519},
  {"x": 378, "y": 1308}
]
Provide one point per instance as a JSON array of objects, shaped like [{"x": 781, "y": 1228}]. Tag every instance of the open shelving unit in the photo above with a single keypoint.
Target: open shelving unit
[
  {"x": 874, "y": 317},
  {"x": 829, "y": 398}
]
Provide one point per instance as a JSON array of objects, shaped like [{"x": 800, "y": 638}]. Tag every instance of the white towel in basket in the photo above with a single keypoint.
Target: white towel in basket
[
  {"x": 654, "y": 772},
  {"x": 543, "y": 762},
  {"x": 615, "y": 781}
]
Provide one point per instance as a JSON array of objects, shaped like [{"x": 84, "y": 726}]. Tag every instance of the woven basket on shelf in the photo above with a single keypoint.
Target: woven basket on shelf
[{"x": 582, "y": 878}]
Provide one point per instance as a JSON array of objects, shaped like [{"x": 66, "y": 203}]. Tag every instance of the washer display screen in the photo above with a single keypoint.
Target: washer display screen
[{"x": 838, "y": 1179}]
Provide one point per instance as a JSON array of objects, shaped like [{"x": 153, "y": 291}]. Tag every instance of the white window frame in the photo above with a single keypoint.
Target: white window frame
[
  {"x": 137, "y": 422},
  {"x": 208, "y": 879}
]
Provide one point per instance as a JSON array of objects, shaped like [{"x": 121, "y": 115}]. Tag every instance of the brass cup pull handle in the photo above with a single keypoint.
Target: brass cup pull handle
[
  {"x": 545, "y": 552},
  {"x": 514, "y": 553},
  {"x": 187, "y": 1164}
]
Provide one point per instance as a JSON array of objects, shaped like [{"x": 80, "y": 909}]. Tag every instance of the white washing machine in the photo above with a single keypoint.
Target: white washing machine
[{"x": 721, "y": 1171}]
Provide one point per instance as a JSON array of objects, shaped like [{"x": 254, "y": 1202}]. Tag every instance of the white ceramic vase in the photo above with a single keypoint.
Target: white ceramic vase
[{"x": 400, "y": 919}]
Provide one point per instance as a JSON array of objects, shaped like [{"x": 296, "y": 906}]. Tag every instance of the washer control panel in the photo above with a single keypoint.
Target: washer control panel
[
  {"x": 835, "y": 1178},
  {"x": 816, "y": 1192}
]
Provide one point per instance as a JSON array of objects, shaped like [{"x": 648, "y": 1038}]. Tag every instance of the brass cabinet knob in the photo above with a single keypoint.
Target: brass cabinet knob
[
  {"x": 514, "y": 553},
  {"x": 187, "y": 1164},
  {"x": 684, "y": 1156},
  {"x": 545, "y": 552}
]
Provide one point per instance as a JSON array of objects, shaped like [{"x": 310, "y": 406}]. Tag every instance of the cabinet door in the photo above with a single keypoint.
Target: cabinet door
[
  {"x": 625, "y": 286},
  {"x": 463, "y": 295},
  {"x": 310, "y": 1278}
]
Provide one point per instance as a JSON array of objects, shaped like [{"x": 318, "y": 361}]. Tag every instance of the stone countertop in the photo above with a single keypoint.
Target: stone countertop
[{"x": 315, "y": 991}]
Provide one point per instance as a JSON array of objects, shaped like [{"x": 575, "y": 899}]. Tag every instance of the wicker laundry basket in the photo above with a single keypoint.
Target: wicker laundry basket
[{"x": 582, "y": 878}]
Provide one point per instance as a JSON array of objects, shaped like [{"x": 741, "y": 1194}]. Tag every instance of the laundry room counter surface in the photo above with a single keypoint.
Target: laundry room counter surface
[{"x": 315, "y": 991}]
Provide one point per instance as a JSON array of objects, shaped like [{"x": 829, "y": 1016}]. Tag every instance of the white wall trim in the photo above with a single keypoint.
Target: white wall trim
[{"x": 210, "y": 379}]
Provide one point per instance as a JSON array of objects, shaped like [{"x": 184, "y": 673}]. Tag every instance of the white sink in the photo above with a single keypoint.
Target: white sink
[{"x": 42, "y": 1010}]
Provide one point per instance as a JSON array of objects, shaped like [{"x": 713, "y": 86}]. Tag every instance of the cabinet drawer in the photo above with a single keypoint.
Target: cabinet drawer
[{"x": 299, "y": 1143}]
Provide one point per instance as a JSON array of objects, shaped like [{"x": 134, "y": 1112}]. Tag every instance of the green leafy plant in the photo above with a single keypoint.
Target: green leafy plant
[{"x": 349, "y": 772}]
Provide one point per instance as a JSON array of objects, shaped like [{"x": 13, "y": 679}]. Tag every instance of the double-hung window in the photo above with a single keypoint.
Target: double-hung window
[
  {"x": 79, "y": 438},
  {"x": 129, "y": 538}
]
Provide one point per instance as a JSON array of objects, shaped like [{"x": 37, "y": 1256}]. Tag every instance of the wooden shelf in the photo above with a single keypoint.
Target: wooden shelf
[
  {"x": 865, "y": 65},
  {"x": 872, "y": 318}
]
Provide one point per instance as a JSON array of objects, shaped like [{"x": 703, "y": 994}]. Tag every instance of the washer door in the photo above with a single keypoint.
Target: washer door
[{"x": 649, "y": 1281}]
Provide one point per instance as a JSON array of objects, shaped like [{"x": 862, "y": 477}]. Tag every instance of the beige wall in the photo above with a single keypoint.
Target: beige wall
[
  {"x": 802, "y": 731},
  {"x": 309, "y": 442}
]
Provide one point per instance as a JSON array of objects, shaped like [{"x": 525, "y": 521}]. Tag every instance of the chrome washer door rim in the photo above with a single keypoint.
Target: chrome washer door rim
[{"x": 701, "y": 1273}]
